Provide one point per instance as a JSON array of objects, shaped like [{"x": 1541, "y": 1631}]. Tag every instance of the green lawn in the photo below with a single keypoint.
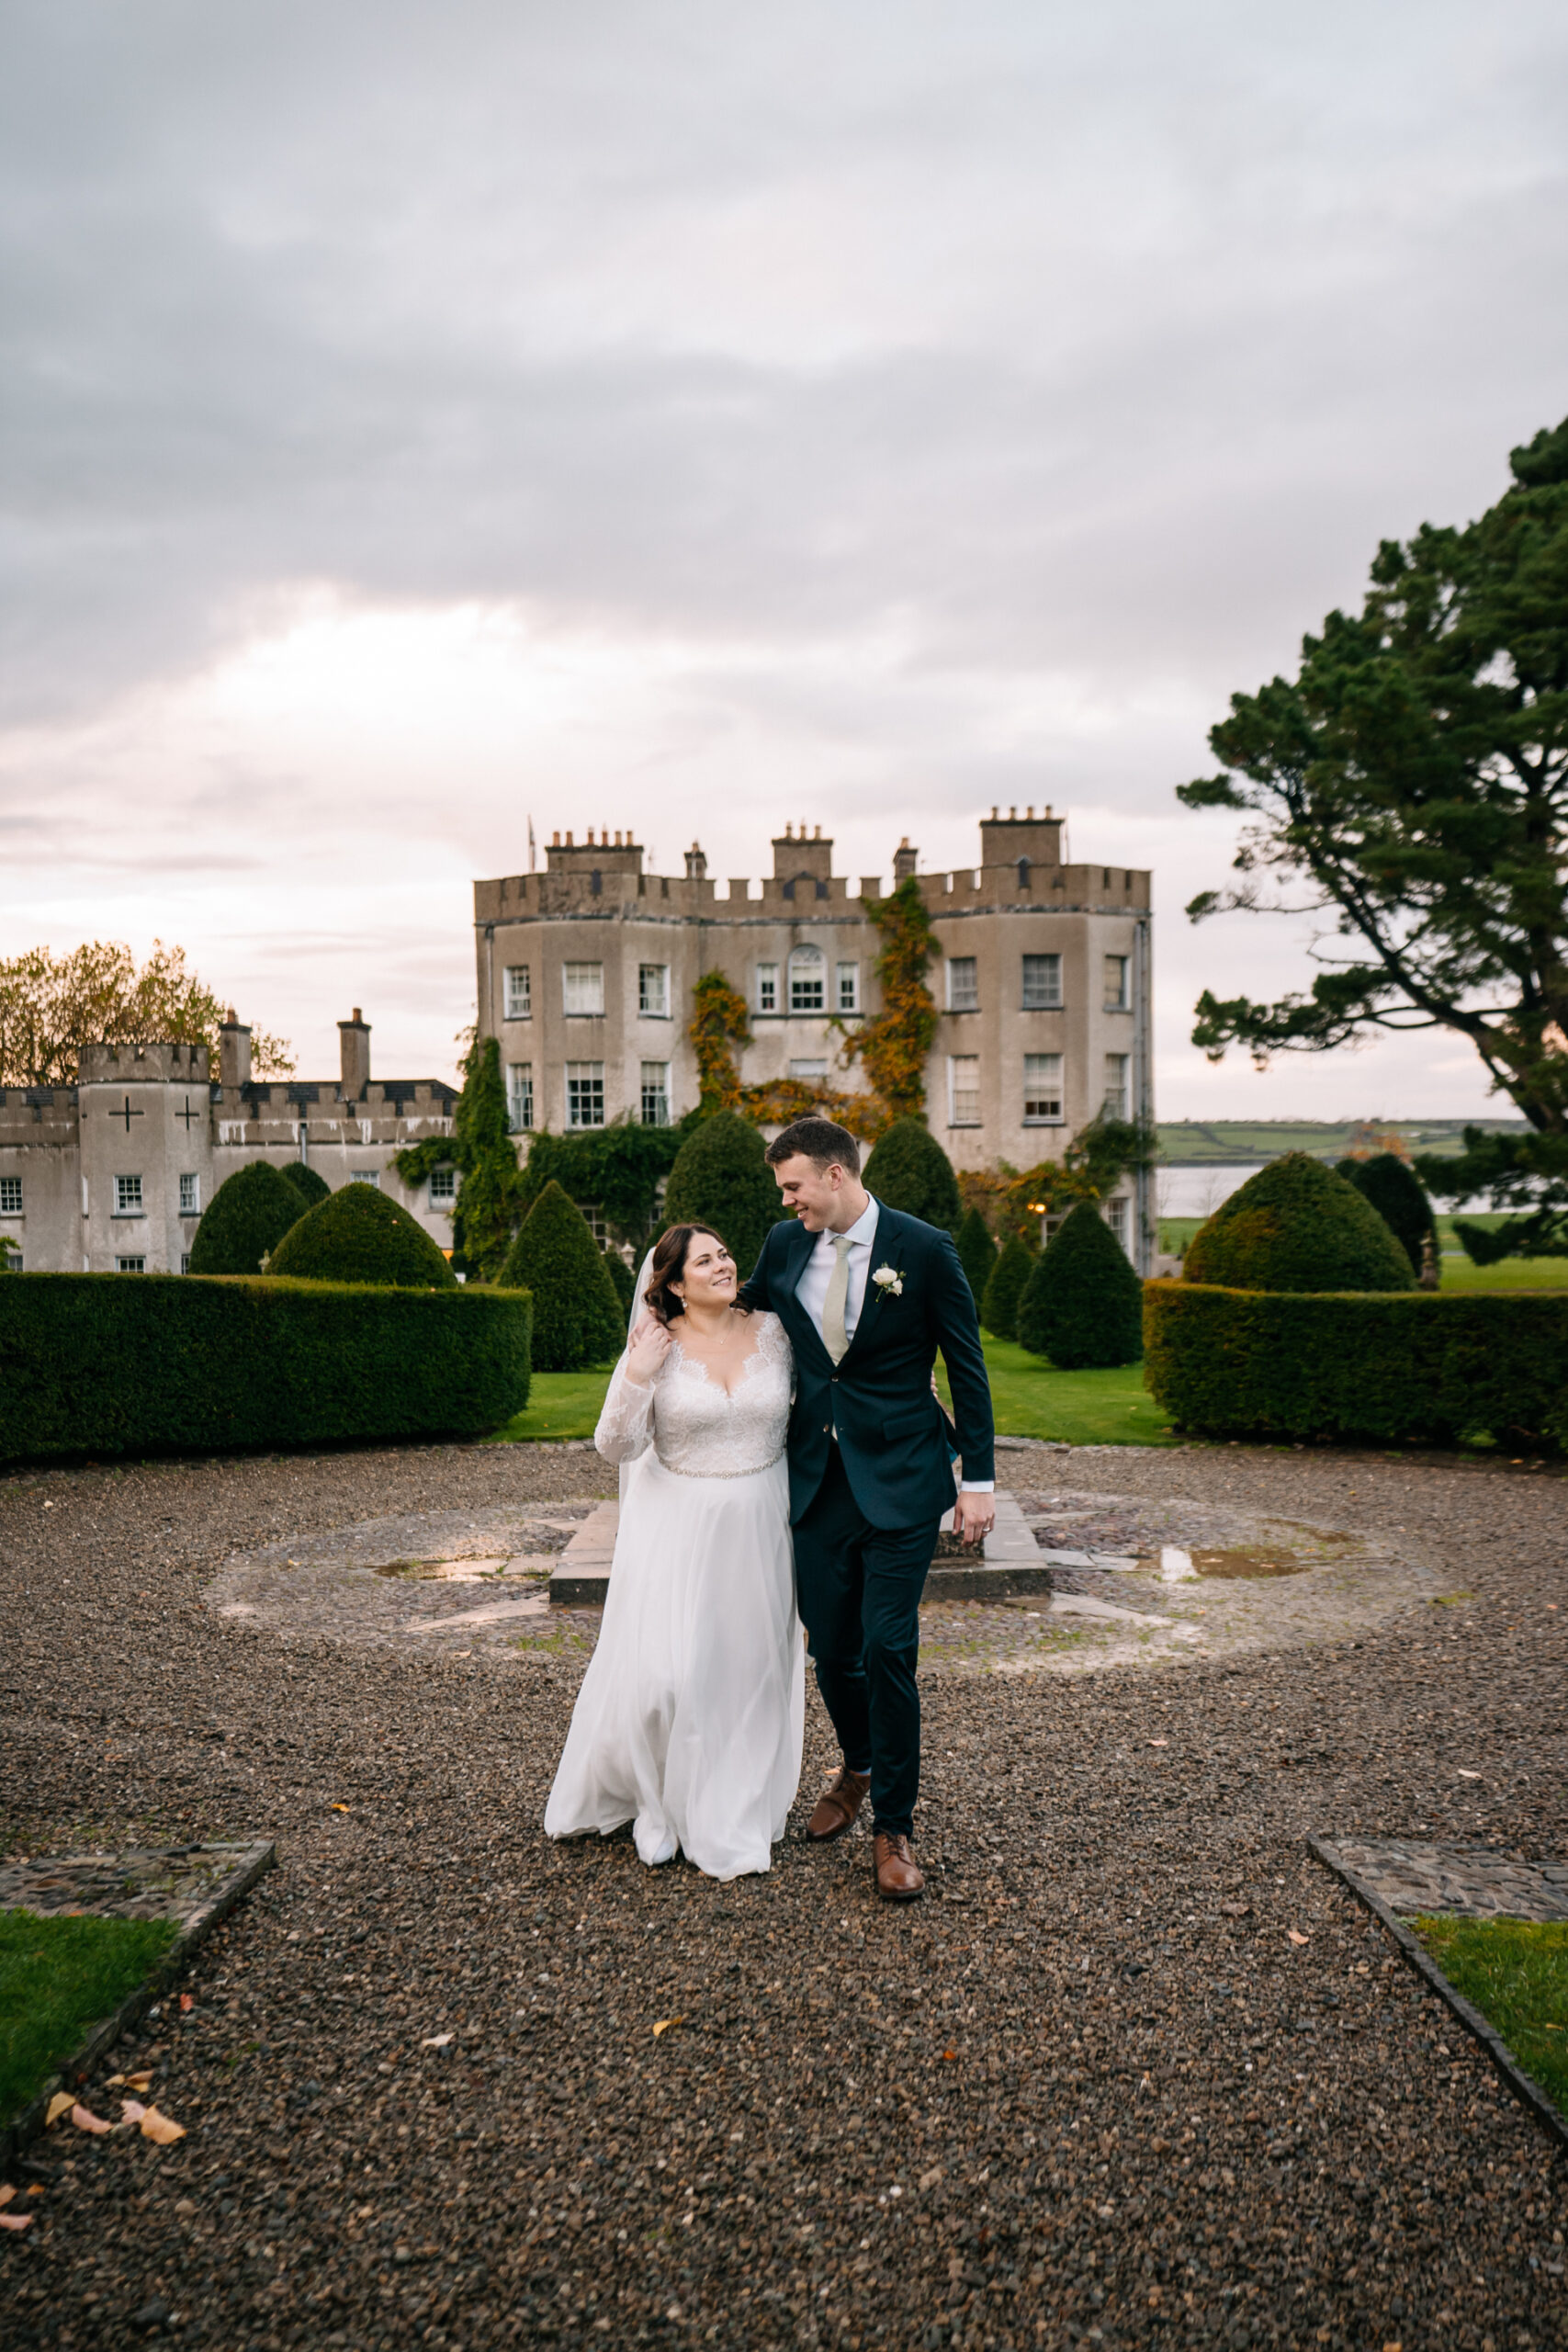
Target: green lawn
[
  {"x": 1516, "y": 1973},
  {"x": 1031, "y": 1399},
  {"x": 58, "y": 1977}
]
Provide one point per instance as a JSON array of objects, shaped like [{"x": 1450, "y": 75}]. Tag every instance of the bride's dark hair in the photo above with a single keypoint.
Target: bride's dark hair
[{"x": 670, "y": 1253}]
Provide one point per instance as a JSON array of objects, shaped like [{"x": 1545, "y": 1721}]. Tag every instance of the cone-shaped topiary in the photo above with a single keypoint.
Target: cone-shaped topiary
[
  {"x": 1399, "y": 1197},
  {"x": 624, "y": 1281},
  {"x": 358, "y": 1235},
  {"x": 245, "y": 1220},
  {"x": 976, "y": 1253},
  {"x": 1297, "y": 1225},
  {"x": 998, "y": 1308},
  {"x": 311, "y": 1187},
  {"x": 577, "y": 1320},
  {"x": 721, "y": 1178},
  {"x": 1083, "y": 1304},
  {"x": 910, "y": 1171}
]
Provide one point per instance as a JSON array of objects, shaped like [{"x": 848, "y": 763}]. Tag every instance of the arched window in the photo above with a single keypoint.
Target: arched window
[{"x": 808, "y": 980}]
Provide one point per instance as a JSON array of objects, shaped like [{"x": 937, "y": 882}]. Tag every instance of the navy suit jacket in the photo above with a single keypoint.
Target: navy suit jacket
[{"x": 896, "y": 1440}]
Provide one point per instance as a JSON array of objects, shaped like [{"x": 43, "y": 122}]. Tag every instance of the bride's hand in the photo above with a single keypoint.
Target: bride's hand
[{"x": 646, "y": 1351}]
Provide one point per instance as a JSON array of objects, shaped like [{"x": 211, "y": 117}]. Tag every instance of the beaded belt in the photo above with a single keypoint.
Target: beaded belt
[{"x": 676, "y": 1472}]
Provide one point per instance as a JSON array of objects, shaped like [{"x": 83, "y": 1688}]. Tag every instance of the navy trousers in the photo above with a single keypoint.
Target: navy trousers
[{"x": 859, "y": 1590}]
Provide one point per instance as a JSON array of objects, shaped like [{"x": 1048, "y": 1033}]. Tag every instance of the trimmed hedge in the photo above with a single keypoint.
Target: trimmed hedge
[
  {"x": 309, "y": 1186},
  {"x": 577, "y": 1320},
  {"x": 1399, "y": 1197},
  {"x": 623, "y": 1281},
  {"x": 977, "y": 1254},
  {"x": 998, "y": 1308},
  {"x": 245, "y": 1220},
  {"x": 1296, "y": 1226},
  {"x": 159, "y": 1363},
  {"x": 358, "y": 1235},
  {"x": 1082, "y": 1304},
  {"x": 720, "y": 1178},
  {"x": 1415, "y": 1369},
  {"x": 910, "y": 1172}
]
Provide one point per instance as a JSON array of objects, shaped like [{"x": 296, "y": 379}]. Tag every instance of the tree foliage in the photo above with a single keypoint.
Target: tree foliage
[
  {"x": 976, "y": 1253},
  {"x": 1096, "y": 1159},
  {"x": 1082, "y": 1304},
  {"x": 489, "y": 1196},
  {"x": 50, "y": 1006},
  {"x": 998, "y": 1308},
  {"x": 309, "y": 1186},
  {"x": 1296, "y": 1226},
  {"x": 720, "y": 1178},
  {"x": 910, "y": 1172},
  {"x": 577, "y": 1320},
  {"x": 358, "y": 1235},
  {"x": 245, "y": 1220},
  {"x": 1400, "y": 1199},
  {"x": 893, "y": 1046},
  {"x": 1527, "y": 1175},
  {"x": 1412, "y": 782}
]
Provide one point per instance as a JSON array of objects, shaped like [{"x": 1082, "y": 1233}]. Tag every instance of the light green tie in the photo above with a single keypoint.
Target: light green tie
[{"x": 835, "y": 1338}]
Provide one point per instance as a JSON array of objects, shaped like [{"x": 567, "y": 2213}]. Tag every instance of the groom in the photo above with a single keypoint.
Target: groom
[{"x": 867, "y": 1297}]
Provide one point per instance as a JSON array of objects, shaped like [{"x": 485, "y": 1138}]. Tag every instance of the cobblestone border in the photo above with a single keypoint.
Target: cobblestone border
[
  {"x": 1529, "y": 2094},
  {"x": 251, "y": 1863}
]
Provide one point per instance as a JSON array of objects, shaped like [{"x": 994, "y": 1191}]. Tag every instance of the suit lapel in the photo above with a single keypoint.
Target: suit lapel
[
  {"x": 801, "y": 1243},
  {"x": 884, "y": 1252}
]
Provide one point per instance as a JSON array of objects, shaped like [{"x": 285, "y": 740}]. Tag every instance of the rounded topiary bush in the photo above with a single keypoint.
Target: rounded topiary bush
[
  {"x": 910, "y": 1171},
  {"x": 578, "y": 1319},
  {"x": 976, "y": 1253},
  {"x": 358, "y": 1235},
  {"x": 1399, "y": 1197},
  {"x": 721, "y": 1178},
  {"x": 245, "y": 1220},
  {"x": 999, "y": 1307},
  {"x": 1296, "y": 1226},
  {"x": 1083, "y": 1304},
  {"x": 311, "y": 1187}
]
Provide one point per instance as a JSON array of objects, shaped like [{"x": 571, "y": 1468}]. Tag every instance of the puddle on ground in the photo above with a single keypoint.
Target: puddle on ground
[
  {"x": 1257, "y": 1560},
  {"x": 457, "y": 1571}
]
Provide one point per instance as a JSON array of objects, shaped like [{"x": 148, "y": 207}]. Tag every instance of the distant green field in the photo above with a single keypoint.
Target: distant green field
[
  {"x": 1457, "y": 1273},
  {"x": 1191, "y": 1140}
]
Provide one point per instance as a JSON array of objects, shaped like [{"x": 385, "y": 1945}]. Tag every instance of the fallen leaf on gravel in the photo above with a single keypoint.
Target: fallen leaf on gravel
[
  {"x": 1296, "y": 1935},
  {"x": 86, "y": 2120},
  {"x": 949, "y": 2053},
  {"x": 132, "y": 2111},
  {"x": 188, "y": 2003},
  {"x": 436, "y": 2042},
  {"x": 13, "y": 2221},
  {"x": 60, "y": 2104},
  {"x": 8, "y": 2191},
  {"x": 664, "y": 2025},
  {"x": 1159, "y": 1743},
  {"x": 1236, "y": 1910},
  {"x": 162, "y": 2128},
  {"x": 930, "y": 2179},
  {"x": 1468, "y": 1775},
  {"x": 337, "y": 1808},
  {"x": 143, "y": 2082}
]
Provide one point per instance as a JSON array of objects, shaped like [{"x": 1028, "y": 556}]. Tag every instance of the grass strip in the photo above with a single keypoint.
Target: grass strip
[
  {"x": 1515, "y": 1973},
  {"x": 58, "y": 1978}
]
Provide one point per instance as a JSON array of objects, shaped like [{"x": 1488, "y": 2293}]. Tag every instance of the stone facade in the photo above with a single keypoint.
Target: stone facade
[
  {"x": 1042, "y": 977},
  {"x": 111, "y": 1175}
]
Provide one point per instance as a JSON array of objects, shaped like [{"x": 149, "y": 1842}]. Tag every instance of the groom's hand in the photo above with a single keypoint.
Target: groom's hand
[{"x": 973, "y": 1516}]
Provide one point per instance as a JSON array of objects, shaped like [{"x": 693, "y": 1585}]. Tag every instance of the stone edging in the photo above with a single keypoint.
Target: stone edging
[
  {"x": 1527, "y": 2093},
  {"x": 251, "y": 1863}
]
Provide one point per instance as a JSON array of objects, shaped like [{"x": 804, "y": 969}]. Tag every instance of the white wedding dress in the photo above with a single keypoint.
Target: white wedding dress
[{"x": 690, "y": 1716}]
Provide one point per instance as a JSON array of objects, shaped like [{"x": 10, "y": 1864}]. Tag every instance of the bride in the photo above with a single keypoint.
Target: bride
[{"x": 690, "y": 1719}]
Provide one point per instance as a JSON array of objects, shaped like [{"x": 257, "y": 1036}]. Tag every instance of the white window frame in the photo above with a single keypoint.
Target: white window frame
[
  {"x": 1118, "y": 1074},
  {"x": 520, "y": 1097},
  {"x": 185, "y": 1261},
  {"x": 963, "y": 984},
  {"x": 1044, "y": 1087},
  {"x": 519, "y": 993},
  {"x": 584, "y": 1083},
  {"x": 131, "y": 1265},
  {"x": 190, "y": 1195},
  {"x": 846, "y": 988},
  {"x": 963, "y": 1099},
  {"x": 442, "y": 1187},
  {"x": 128, "y": 1201},
  {"x": 810, "y": 1071},
  {"x": 767, "y": 980},
  {"x": 1117, "y": 1215},
  {"x": 366, "y": 1176},
  {"x": 808, "y": 973},
  {"x": 11, "y": 1196},
  {"x": 1040, "y": 991},
  {"x": 583, "y": 990},
  {"x": 1120, "y": 1002},
  {"x": 653, "y": 991},
  {"x": 656, "y": 1094}
]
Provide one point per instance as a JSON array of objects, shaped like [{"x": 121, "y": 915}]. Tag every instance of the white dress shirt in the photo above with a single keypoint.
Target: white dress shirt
[{"x": 811, "y": 1290}]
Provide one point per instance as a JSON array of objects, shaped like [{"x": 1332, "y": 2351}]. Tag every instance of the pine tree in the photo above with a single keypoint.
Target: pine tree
[
  {"x": 245, "y": 1220},
  {"x": 977, "y": 1254},
  {"x": 721, "y": 1178},
  {"x": 999, "y": 1307},
  {"x": 1083, "y": 1304},
  {"x": 910, "y": 1172},
  {"x": 577, "y": 1320},
  {"x": 489, "y": 1196}
]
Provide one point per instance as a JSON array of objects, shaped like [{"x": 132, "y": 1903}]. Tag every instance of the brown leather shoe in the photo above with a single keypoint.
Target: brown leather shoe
[
  {"x": 899, "y": 1878},
  {"x": 838, "y": 1805}
]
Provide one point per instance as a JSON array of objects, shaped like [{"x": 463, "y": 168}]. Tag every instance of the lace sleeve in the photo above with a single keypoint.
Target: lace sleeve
[{"x": 625, "y": 1425}]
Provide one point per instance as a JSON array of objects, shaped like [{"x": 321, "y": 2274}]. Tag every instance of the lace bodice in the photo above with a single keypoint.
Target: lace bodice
[{"x": 693, "y": 1427}]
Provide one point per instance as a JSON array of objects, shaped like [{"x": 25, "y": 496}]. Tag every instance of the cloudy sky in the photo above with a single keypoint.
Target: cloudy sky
[{"x": 691, "y": 416}]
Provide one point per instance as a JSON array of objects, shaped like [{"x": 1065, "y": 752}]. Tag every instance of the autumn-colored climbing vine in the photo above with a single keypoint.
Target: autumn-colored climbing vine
[
  {"x": 779, "y": 1100},
  {"x": 719, "y": 1023},
  {"x": 894, "y": 1045}
]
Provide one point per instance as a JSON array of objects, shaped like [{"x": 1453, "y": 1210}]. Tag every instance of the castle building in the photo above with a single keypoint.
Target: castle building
[
  {"x": 1042, "y": 979},
  {"x": 111, "y": 1175}
]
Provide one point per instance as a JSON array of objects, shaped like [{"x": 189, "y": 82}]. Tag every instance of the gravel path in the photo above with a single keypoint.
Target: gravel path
[{"x": 1092, "y": 2092}]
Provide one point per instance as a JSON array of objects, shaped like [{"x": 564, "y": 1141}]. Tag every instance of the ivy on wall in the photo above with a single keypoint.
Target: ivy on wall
[
  {"x": 893, "y": 1044},
  {"x": 719, "y": 1023}
]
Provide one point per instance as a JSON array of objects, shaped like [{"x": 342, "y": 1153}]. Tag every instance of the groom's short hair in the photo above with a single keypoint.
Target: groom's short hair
[{"x": 822, "y": 1141}]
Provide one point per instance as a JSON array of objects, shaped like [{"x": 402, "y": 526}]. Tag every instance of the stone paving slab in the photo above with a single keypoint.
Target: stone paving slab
[{"x": 1461, "y": 1882}]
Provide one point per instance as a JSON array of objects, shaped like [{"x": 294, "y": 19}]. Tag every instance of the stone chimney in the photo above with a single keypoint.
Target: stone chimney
[
  {"x": 353, "y": 1047},
  {"x": 234, "y": 1053},
  {"x": 696, "y": 862},
  {"x": 903, "y": 862}
]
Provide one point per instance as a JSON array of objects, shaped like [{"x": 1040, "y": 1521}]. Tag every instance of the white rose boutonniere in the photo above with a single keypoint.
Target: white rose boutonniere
[{"x": 889, "y": 1281}]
